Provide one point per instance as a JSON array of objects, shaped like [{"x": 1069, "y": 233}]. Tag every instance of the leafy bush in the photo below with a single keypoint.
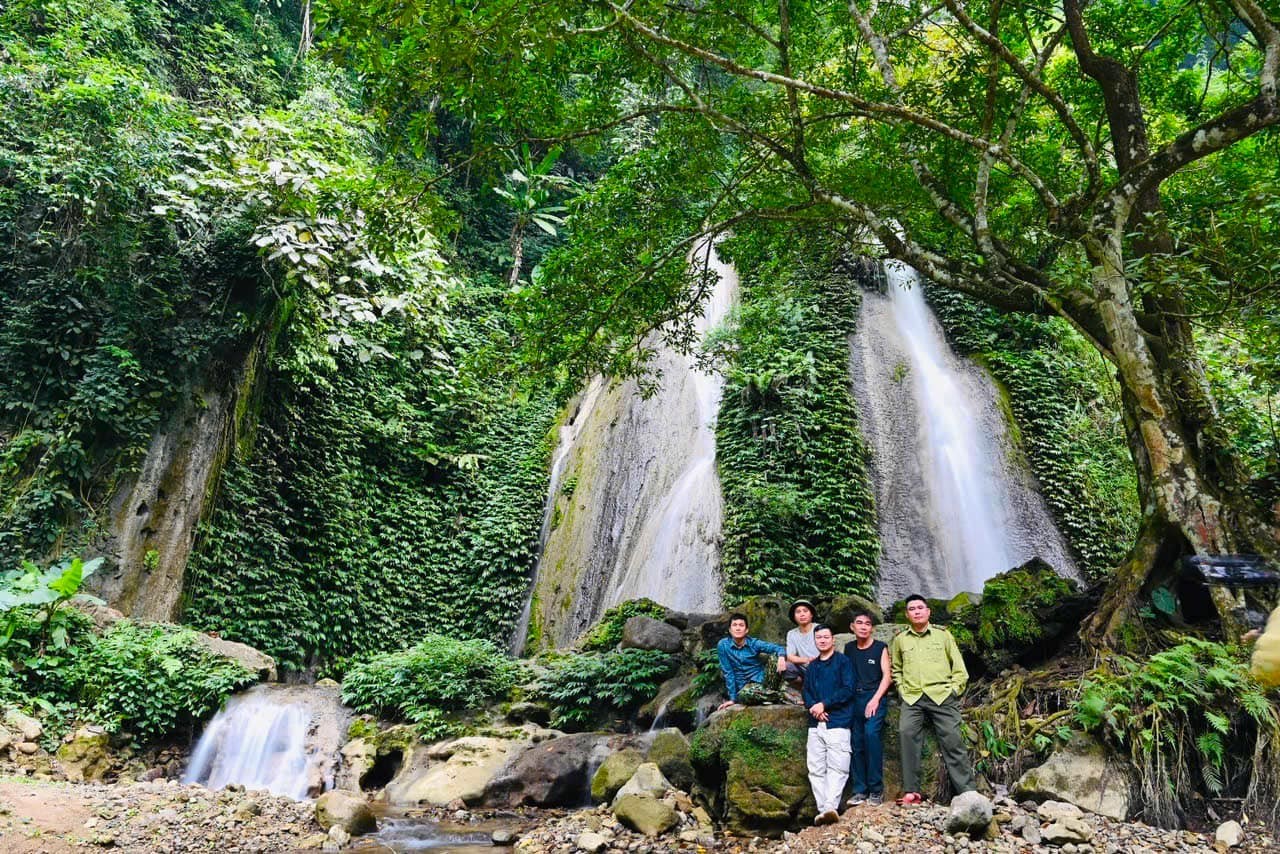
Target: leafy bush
[
  {"x": 1192, "y": 711},
  {"x": 154, "y": 681},
  {"x": 583, "y": 689},
  {"x": 799, "y": 513},
  {"x": 607, "y": 633},
  {"x": 423, "y": 684}
]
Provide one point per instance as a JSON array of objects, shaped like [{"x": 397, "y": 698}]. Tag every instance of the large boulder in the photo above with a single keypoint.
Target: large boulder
[
  {"x": 29, "y": 728},
  {"x": 613, "y": 774},
  {"x": 750, "y": 766},
  {"x": 85, "y": 758},
  {"x": 255, "y": 660},
  {"x": 346, "y": 810},
  {"x": 460, "y": 769},
  {"x": 550, "y": 774},
  {"x": 767, "y": 616},
  {"x": 647, "y": 781},
  {"x": 838, "y": 613},
  {"x": 1081, "y": 772},
  {"x": 647, "y": 815},
  {"x": 970, "y": 813},
  {"x": 643, "y": 632},
  {"x": 1023, "y": 616},
  {"x": 669, "y": 750}
]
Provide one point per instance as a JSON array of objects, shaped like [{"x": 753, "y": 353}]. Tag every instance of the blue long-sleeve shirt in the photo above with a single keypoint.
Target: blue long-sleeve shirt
[
  {"x": 741, "y": 664},
  {"x": 831, "y": 682}
]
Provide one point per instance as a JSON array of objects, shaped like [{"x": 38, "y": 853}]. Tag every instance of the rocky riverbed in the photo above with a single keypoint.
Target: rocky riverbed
[{"x": 54, "y": 817}]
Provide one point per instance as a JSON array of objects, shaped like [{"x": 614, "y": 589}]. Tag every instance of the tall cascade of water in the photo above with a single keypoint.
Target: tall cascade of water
[
  {"x": 634, "y": 508},
  {"x": 955, "y": 497},
  {"x": 284, "y": 739}
]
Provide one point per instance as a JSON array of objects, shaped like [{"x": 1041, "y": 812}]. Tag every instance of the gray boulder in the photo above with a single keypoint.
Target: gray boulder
[
  {"x": 28, "y": 726},
  {"x": 550, "y": 774},
  {"x": 647, "y": 815},
  {"x": 1067, "y": 830},
  {"x": 970, "y": 813},
  {"x": 346, "y": 810},
  {"x": 85, "y": 758},
  {"x": 257, "y": 661},
  {"x": 1082, "y": 773},
  {"x": 642, "y": 632},
  {"x": 647, "y": 781}
]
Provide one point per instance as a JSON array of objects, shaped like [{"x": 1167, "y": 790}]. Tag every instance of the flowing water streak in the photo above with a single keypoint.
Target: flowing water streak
[
  {"x": 566, "y": 440},
  {"x": 635, "y": 507},
  {"x": 284, "y": 739},
  {"x": 956, "y": 501},
  {"x": 676, "y": 560}
]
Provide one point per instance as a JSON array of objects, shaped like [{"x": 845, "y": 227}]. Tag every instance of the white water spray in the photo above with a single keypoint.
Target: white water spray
[{"x": 278, "y": 738}]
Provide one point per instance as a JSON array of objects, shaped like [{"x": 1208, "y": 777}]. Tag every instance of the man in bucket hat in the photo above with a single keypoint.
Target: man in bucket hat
[{"x": 801, "y": 648}]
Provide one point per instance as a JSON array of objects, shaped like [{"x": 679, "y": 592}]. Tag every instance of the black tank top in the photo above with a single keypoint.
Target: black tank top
[{"x": 866, "y": 664}]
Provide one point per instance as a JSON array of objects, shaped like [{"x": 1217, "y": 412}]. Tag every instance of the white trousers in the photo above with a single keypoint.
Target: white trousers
[{"x": 828, "y": 755}]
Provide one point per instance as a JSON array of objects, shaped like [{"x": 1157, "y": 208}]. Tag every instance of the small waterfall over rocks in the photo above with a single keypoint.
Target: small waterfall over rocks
[
  {"x": 956, "y": 501},
  {"x": 282, "y": 738},
  {"x": 635, "y": 508}
]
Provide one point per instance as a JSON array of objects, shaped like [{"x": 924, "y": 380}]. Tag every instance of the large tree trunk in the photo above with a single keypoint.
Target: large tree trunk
[{"x": 1190, "y": 482}]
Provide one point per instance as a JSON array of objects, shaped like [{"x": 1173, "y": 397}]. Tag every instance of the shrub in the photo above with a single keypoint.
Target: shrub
[
  {"x": 607, "y": 633},
  {"x": 154, "y": 681},
  {"x": 426, "y": 682},
  {"x": 1191, "y": 711},
  {"x": 582, "y": 689}
]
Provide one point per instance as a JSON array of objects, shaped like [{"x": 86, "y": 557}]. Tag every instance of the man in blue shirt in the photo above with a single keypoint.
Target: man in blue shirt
[
  {"x": 740, "y": 658},
  {"x": 828, "y": 694}
]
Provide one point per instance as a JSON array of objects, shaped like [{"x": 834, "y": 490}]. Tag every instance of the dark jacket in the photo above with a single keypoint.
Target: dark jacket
[{"x": 831, "y": 683}]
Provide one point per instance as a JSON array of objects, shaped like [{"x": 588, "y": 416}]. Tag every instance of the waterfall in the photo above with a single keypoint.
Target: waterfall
[
  {"x": 956, "y": 500},
  {"x": 284, "y": 739},
  {"x": 635, "y": 508}
]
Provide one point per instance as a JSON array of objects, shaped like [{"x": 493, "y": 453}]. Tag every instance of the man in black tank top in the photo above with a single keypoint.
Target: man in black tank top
[{"x": 872, "y": 676}]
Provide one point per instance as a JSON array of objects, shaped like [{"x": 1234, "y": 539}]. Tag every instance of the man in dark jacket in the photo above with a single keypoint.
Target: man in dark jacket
[{"x": 828, "y": 694}]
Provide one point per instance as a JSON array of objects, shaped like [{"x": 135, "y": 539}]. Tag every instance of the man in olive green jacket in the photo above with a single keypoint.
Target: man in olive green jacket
[{"x": 930, "y": 674}]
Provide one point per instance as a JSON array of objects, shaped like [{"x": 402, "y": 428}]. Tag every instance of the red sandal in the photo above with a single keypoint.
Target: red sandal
[{"x": 910, "y": 799}]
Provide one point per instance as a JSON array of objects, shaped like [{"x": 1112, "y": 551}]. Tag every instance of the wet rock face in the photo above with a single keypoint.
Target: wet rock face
[
  {"x": 461, "y": 769},
  {"x": 550, "y": 774}
]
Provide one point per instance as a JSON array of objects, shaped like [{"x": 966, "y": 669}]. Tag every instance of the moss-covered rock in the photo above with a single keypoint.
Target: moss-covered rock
[
  {"x": 613, "y": 773},
  {"x": 750, "y": 767},
  {"x": 1021, "y": 617},
  {"x": 670, "y": 752},
  {"x": 86, "y": 757},
  {"x": 839, "y": 611}
]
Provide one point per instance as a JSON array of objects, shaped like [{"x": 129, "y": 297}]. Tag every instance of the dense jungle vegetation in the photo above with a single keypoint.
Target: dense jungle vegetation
[{"x": 400, "y": 236}]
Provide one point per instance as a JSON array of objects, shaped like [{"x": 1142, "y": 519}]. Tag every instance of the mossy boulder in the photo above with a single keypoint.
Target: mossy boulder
[
  {"x": 750, "y": 769},
  {"x": 647, "y": 815},
  {"x": 613, "y": 773},
  {"x": 839, "y": 612},
  {"x": 86, "y": 758},
  {"x": 1022, "y": 617},
  {"x": 670, "y": 752}
]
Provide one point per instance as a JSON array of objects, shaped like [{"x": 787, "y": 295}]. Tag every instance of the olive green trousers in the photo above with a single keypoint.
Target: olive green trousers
[{"x": 945, "y": 719}]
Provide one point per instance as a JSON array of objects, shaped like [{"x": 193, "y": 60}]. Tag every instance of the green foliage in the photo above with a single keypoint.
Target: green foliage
[
  {"x": 30, "y": 595},
  {"x": 1188, "y": 716},
  {"x": 426, "y": 682},
  {"x": 607, "y": 633},
  {"x": 799, "y": 512},
  {"x": 154, "y": 681},
  {"x": 377, "y": 503},
  {"x": 1011, "y": 605},
  {"x": 709, "y": 677},
  {"x": 584, "y": 689},
  {"x": 105, "y": 310},
  {"x": 1067, "y": 411}
]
